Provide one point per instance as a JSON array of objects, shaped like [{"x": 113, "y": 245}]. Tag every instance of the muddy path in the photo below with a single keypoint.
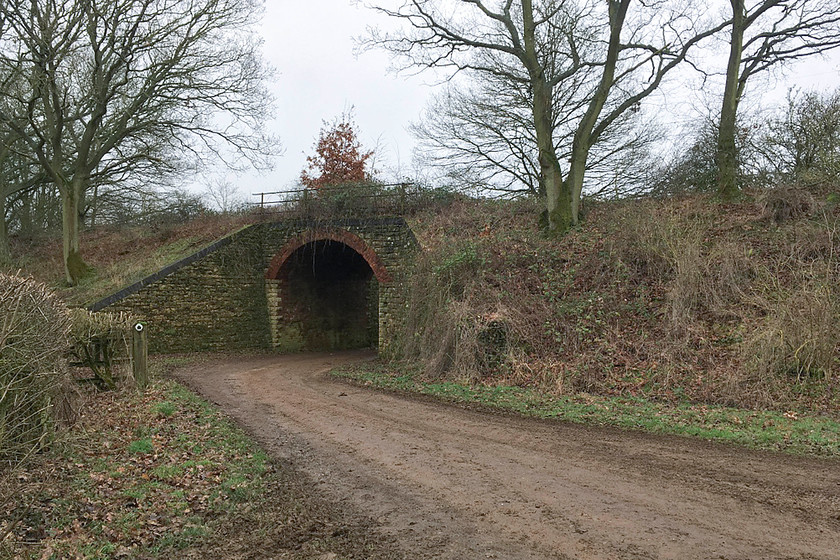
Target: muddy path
[{"x": 451, "y": 483}]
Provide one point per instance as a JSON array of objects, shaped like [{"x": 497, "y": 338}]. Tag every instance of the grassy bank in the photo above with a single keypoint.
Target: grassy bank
[
  {"x": 790, "y": 431},
  {"x": 680, "y": 299},
  {"x": 166, "y": 475},
  {"x": 119, "y": 256}
]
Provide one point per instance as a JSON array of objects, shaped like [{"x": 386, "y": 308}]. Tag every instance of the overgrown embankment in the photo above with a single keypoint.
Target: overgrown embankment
[{"x": 677, "y": 300}]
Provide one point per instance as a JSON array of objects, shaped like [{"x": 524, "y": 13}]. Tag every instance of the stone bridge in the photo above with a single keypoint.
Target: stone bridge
[{"x": 291, "y": 285}]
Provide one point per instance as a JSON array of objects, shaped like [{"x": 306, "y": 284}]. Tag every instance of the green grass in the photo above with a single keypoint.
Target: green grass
[
  {"x": 143, "y": 445},
  {"x": 165, "y": 408},
  {"x": 761, "y": 429}
]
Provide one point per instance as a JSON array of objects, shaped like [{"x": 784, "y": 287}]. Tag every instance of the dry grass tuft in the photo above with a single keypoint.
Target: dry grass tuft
[
  {"x": 787, "y": 202},
  {"x": 120, "y": 256},
  {"x": 800, "y": 335}
]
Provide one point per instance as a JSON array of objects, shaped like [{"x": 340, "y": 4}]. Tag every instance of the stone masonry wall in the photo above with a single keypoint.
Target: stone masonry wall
[
  {"x": 392, "y": 247},
  {"x": 224, "y": 297}
]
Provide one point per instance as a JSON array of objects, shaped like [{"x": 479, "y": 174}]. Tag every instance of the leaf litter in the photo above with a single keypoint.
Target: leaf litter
[{"x": 166, "y": 474}]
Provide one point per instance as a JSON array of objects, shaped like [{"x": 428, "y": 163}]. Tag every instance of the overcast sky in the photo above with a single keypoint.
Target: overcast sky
[
  {"x": 318, "y": 76},
  {"x": 311, "y": 46}
]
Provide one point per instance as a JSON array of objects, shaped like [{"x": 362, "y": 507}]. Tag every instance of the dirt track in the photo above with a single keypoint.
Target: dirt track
[{"x": 451, "y": 483}]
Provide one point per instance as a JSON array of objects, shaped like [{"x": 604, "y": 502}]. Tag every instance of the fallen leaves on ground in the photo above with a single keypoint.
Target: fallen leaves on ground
[{"x": 162, "y": 475}]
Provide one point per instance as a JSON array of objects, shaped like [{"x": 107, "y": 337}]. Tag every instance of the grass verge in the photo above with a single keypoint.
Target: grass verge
[
  {"x": 791, "y": 432},
  {"x": 164, "y": 474}
]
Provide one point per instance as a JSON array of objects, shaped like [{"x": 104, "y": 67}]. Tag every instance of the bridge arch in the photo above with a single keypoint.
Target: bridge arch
[
  {"x": 322, "y": 289},
  {"x": 343, "y": 236},
  {"x": 233, "y": 293}
]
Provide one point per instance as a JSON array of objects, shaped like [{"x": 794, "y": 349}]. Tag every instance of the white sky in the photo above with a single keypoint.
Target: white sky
[{"x": 311, "y": 46}]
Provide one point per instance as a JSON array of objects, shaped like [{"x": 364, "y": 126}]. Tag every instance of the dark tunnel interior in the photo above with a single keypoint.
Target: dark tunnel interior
[{"x": 330, "y": 291}]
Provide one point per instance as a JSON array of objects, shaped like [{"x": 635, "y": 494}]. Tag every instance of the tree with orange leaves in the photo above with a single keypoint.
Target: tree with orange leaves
[{"x": 339, "y": 157}]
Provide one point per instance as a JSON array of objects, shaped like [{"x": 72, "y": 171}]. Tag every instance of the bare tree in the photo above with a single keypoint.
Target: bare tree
[
  {"x": 481, "y": 136},
  {"x": 225, "y": 196},
  {"x": 481, "y": 133},
  {"x": 20, "y": 177},
  {"x": 11, "y": 183},
  {"x": 765, "y": 34},
  {"x": 542, "y": 45},
  {"x": 690, "y": 166},
  {"x": 131, "y": 86},
  {"x": 802, "y": 141}
]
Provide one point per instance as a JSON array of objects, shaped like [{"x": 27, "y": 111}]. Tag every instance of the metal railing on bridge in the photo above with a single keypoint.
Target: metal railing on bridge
[{"x": 349, "y": 200}]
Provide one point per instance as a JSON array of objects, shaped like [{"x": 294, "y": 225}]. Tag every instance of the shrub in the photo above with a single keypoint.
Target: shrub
[
  {"x": 800, "y": 307},
  {"x": 337, "y": 201},
  {"x": 802, "y": 142},
  {"x": 367, "y": 198},
  {"x": 34, "y": 327},
  {"x": 445, "y": 328}
]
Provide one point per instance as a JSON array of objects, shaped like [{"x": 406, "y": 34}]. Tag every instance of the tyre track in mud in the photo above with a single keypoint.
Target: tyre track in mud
[{"x": 453, "y": 483}]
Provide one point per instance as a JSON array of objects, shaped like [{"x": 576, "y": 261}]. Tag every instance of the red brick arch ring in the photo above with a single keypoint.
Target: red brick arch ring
[{"x": 342, "y": 236}]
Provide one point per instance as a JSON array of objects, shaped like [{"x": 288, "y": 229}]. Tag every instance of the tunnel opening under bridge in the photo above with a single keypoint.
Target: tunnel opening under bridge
[{"x": 323, "y": 294}]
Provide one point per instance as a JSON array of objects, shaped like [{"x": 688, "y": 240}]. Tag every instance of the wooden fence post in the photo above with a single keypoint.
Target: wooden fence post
[{"x": 139, "y": 356}]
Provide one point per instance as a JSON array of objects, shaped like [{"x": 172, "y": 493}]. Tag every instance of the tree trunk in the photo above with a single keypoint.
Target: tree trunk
[
  {"x": 558, "y": 196},
  {"x": 74, "y": 267},
  {"x": 577, "y": 171},
  {"x": 81, "y": 207},
  {"x": 5, "y": 250},
  {"x": 583, "y": 140},
  {"x": 558, "y": 200},
  {"x": 727, "y": 149},
  {"x": 93, "y": 208},
  {"x": 25, "y": 216}
]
